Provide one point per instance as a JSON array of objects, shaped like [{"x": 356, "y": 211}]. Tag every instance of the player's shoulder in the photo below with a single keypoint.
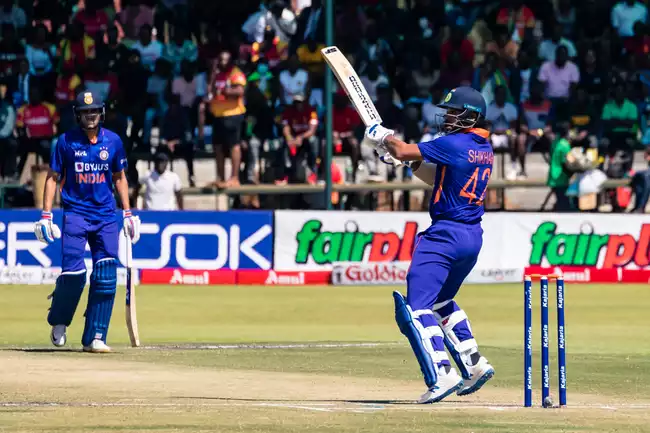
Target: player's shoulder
[
  {"x": 71, "y": 136},
  {"x": 111, "y": 136}
]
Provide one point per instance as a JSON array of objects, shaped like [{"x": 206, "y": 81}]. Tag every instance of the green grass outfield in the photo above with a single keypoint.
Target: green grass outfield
[{"x": 321, "y": 359}]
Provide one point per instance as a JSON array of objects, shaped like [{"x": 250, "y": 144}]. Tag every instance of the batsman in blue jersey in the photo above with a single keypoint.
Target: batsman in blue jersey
[
  {"x": 458, "y": 164},
  {"x": 87, "y": 161}
]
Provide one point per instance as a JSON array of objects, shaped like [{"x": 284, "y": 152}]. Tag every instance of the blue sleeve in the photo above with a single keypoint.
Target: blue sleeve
[
  {"x": 119, "y": 162},
  {"x": 57, "y": 163},
  {"x": 441, "y": 150}
]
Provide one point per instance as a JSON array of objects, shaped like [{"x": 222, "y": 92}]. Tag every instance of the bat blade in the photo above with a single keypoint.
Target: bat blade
[{"x": 131, "y": 316}]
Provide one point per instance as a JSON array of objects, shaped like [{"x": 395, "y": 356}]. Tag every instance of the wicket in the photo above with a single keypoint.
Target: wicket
[{"x": 528, "y": 339}]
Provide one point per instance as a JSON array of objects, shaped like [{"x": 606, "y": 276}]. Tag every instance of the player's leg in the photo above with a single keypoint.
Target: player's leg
[
  {"x": 414, "y": 315},
  {"x": 71, "y": 282},
  {"x": 458, "y": 337},
  {"x": 103, "y": 240}
]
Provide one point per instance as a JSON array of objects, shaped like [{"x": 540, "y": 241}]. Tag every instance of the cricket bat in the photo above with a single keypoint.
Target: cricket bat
[
  {"x": 131, "y": 317},
  {"x": 349, "y": 80}
]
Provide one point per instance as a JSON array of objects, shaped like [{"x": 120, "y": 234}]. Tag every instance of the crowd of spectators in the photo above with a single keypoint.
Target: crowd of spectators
[{"x": 245, "y": 81}]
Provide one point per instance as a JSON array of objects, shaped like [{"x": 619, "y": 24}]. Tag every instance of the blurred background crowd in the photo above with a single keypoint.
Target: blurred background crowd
[{"x": 223, "y": 84}]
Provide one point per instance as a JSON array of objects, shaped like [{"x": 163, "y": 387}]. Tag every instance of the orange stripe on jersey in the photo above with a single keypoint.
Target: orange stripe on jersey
[
  {"x": 480, "y": 132},
  {"x": 442, "y": 180}
]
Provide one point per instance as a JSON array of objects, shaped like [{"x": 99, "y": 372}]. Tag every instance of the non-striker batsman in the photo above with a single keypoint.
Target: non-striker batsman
[
  {"x": 458, "y": 164},
  {"x": 87, "y": 161}
]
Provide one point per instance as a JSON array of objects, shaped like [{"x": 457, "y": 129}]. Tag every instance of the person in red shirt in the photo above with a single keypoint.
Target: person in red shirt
[
  {"x": 346, "y": 121},
  {"x": 457, "y": 41},
  {"x": 36, "y": 125},
  {"x": 94, "y": 20},
  {"x": 518, "y": 18},
  {"x": 300, "y": 123},
  {"x": 67, "y": 86}
]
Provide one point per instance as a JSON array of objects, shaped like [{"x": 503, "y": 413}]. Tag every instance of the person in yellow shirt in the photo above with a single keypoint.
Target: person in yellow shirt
[
  {"x": 310, "y": 56},
  {"x": 226, "y": 104}
]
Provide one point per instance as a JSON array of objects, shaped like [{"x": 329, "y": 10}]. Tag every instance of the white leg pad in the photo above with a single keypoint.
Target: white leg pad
[
  {"x": 464, "y": 348},
  {"x": 427, "y": 333}
]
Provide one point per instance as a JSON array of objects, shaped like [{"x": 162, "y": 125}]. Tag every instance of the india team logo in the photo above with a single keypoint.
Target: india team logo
[
  {"x": 88, "y": 98},
  {"x": 103, "y": 154}
]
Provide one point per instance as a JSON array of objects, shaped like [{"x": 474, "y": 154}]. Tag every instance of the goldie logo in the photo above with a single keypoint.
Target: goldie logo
[
  {"x": 448, "y": 97},
  {"x": 88, "y": 98}
]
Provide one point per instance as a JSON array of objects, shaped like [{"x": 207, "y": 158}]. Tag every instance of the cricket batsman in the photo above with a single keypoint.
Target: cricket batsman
[
  {"x": 87, "y": 161},
  {"x": 458, "y": 164}
]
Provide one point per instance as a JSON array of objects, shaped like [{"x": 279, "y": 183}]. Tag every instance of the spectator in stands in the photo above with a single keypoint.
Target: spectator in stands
[
  {"x": 310, "y": 57},
  {"x": 293, "y": 81},
  {"x": 175, "y": 136},
  {"x": 68, "y": 84},
  {"x": 180, "y": 49},
  {"x": 390, "y": 112},
  {"x": 226, "y": 103},
  {"x": 150, "y": 50},
  {"x": 157, "y": 86},
  {"x": 300, "y": 123},
  {"x": 117, "y": 122},
  {"x": 134, "y": 16},
  {"x": 281, "y": 19},
  {"x": 432, "y": 115},
  {"x": 20, "y": 83},
  {"x": 112, "y": 52},
  {"x": 584, "y": 120},
  {"x": 560, "y": 79},
  {"x": 133, "y": 82},
  {"x": 13, "y": 15},
  {"x": 8, "y": 143},
  {"x": 457, "y": 41},
  {"x": 522, "y": 76},
  {"x": 504, "y": 47},
  {"x": 534, "y": 128},
  {"x": 644, "y": 117},
  {"x": 558, "y": 175},
  {"x": 351, "y": 25},
  {"x": 310, "y": 24},
  {"x": 345, "y": 121},
  {"x": 94, "y": 20},
  {"x": 163, "y": 187},
  {"x": 641, "y": 186},
  {"x": 502, "y": 116},
  {"x": 592, "y": 77},
  {"x": 619, "y": 119},
  {"x": 172, "y": 12},
  {"x": 40, "y": 55},
  {"x": 373, "y": 49},
  {"x": 100, "y": 80},
  {"x": 518, "y": 18},
  {"x": 77, "y": 47},
  {"x": 190, "y": 89},
  {"x": 271, "y": 48},
  {"x": 548, "y": 47},
  {"x": 565, "y": 16},
  {"x": 424, "y": 77},
  {"x": 427, "y": 19},
  {"x": 625, "y": 14},
  {"x": 489, "y": 76},
  {"x": 455, "y": 73},
  {"x": 373, "y": 77},
  {"x": 209, "y": 51},
  {"x": 36, "y": 124},
  {"x": 11, "y": 50}
]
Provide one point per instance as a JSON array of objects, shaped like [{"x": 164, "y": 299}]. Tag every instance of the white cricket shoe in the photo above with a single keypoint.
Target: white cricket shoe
[
  {"x": 57, "y": 336},
  {"x": 447, "y": 384},
  {"x": 480, "y": 373},
  {"x": 97, "y": 346}
]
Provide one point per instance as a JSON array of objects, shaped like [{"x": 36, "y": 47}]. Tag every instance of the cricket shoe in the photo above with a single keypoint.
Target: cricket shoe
[
  {"x": 480, "y": 373},
  {"x": 97, "y": 346},
  {"x": 57, "y": 336},
  {"x": 447, "y": 384}
]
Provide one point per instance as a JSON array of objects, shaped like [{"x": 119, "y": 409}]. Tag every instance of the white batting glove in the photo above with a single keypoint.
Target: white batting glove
[
  {"x": 387, "y": 158},
  {"x": 45, "y": 229},
  {"x": 377, "y": 133},
  {"x": 131, "y": 226}
]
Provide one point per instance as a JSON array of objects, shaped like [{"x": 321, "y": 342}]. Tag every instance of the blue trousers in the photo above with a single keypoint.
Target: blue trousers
[
  {"x": 101, "y": 235},
  {"x": 443, "y": 257}
]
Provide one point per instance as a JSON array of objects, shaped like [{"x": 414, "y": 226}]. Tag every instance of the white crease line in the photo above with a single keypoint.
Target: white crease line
[
  {"x": 293, "y": 406},
  {"x": 267, "y": 346}
]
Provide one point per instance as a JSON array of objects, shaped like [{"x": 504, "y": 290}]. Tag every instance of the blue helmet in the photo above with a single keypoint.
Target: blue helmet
[
  {"x": 468, "y": 107},
  {"x": 88, "y": 100}
]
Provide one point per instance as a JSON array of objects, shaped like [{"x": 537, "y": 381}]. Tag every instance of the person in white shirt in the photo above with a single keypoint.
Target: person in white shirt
[
  {"x": 625, "y": 14},
  {"x": 294, "y": 81},
  {"x": 163, "y": 187},
  {"x": 149, "y": 50},
  {"x": 502, "y": 116},
  {"x": 547, "y": 48}
]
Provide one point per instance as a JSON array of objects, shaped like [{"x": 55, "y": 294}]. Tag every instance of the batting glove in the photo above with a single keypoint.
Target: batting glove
[
  {"x": 377, "y": 133},
  {"x": 45, "y": 229},
  {"x": 387, "y": 158},
  {"x": 131, "y": 226}
]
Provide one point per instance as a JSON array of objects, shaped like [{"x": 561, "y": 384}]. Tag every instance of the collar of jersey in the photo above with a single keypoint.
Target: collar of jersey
[
  {"x": 100, "y": 137},
  {"x": 479, "y": 131}
]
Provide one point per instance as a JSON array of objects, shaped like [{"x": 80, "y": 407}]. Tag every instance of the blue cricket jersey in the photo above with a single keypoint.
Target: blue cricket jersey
[
  {"x": 86, "y": 171},
  {"x": 464, "y": 165}
]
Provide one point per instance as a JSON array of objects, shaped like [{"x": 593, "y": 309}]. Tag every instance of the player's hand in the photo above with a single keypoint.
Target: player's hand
[
  {"x": 45, "y": 229},
  {"x": 387, "y": 158},
  {"x": 377, "y": 133},
  {"x": 131, "y": 226}
]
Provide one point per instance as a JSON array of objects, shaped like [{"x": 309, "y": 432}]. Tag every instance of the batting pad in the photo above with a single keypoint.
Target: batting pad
[
  {"x": 65, "y": 298},
  {"x": 420, "y": 338},
  {"x": 458, "y": 334},
  {"x": 101, "y": 297}
]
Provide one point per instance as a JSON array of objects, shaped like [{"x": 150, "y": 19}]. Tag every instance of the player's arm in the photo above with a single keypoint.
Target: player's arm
[
  {"x": 122, "y": 188},
  {"x": 50, "y": 190},
  {"x": 401, "y": 150},
  {"x": 424, "y": 171},
  {"x": 178, "y": 190}
]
